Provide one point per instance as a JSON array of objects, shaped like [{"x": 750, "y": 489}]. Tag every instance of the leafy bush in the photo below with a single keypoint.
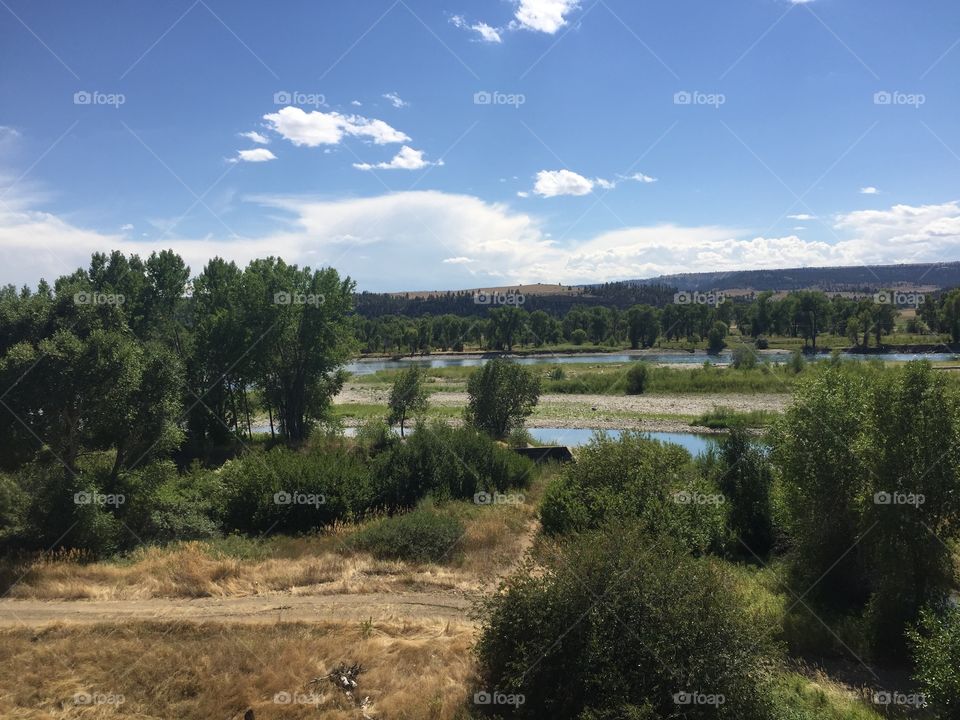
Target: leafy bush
[
  {"x": 418, "y": 536},
  {"x": 936, "y": 648},
  {"x": 447, "y": 463},
  {"x": 637, "y": 378},
  {"x": 287, "y": 491},
  {"x": 744, "y": 357},
  {"x": 618, "y": 624},
  {"x": 13, "y": 506},
  {"x": 746, "y": 479},
  {"x": 578, "y": 336},
  {"x": 638, "y": 479}
]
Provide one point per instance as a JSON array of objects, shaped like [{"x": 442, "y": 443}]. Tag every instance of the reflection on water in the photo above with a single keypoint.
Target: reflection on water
[{"x": 572, "y": 437}]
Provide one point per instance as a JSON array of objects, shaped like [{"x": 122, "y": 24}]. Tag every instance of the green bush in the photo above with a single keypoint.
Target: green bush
[
  {"x": 578, "y": 336},
  {"x": 13, "y": 507},
  {"x": 446, "y": 463},
  {"x": 936, "y": 649},
  {"x": 744, "y": 357},
  {"x": 293, "y": 492},
  {"x": 638, "y": 479},
  {"x": 418, "y": 536},
  {"x": 637, "y": 378},
  {"x": 617, "y": 625}
]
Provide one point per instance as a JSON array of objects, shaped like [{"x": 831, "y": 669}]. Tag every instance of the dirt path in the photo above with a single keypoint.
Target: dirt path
[{"x": 251, "y": 609}]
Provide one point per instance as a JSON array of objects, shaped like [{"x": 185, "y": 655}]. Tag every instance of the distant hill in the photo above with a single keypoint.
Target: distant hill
[{"x": 929, "y": 276}]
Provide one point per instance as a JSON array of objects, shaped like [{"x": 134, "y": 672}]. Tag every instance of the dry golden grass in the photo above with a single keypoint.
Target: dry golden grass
[
  {"x": 164, "y": 670},
  {"x": 494, "y": 539}
]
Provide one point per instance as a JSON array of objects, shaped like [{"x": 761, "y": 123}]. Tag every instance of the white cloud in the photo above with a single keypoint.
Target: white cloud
[
  {"x": 396, "y": 100},
  {"x": 256, "y": 137},
  {"x": 641, "y": 178},
  {"x": 319, "y": 128},
  {"x": 869, "y": 190},
  {"x": 486, "y": 32},
  {"x": 406, "y": 159},
  {"x": 551, "y": 183},
  {"x": 255, "y": 155},
  {"x": 356, "y": 103},
  {"x": 546, "y": 16},
  {"x": 394, "y": 241},
  {"x": 523, "y": 194},
  {"x": 802, "y": 216},
  {"x": 605, "y": 184},
  {"x": 126, "y": 228}
]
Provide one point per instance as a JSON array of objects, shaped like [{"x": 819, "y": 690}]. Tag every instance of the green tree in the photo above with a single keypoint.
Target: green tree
[
  {"x": 501, "y": 395},
  {"x": 746, "y": 482},
  {"x": 643, "y": 326},
  {"x": 716, "y": 338},
  {"x": 408, "y": 397}
]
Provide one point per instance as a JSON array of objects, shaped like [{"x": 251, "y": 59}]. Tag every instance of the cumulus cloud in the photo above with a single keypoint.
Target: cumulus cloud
[
  {"x": 394, "y": 241},
  {"x": 802, "y": 216},
  {"x": 486, "y": 32},
  {"x": 256, "y": 137},
  {"x": 255, "y": 155},
  {"x": 869, "y": 190},
  {"x": 396, "y": 100},
  {"x": 546, "y": 16},
  {"x": 551, "y": 183},
  {"x": 406, "y": 159},
  {"x": 316, "y": 128}
]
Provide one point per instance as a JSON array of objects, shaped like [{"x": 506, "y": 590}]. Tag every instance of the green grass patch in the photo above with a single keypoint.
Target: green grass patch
[{"x": 722, "y": 418}]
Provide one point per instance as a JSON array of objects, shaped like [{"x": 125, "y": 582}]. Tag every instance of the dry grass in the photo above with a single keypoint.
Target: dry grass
[
  {"x": 164, "y": 670},
  {"x": 494, "y": 539}
]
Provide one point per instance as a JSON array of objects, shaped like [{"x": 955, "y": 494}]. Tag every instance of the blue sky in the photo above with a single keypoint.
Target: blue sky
[{"x": 451, "y": 143}]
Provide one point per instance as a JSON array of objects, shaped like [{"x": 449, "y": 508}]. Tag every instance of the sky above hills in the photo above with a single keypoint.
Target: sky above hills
[{"x": 418, "y": 144}]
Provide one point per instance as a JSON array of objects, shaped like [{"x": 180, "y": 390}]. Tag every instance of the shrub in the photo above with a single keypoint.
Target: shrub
[
  {"x": 287, "y": 491},
  {"x": 616, "y": 625},
  {"x": 578, "y": 336},
  {"x": 418, "y": 536},
  {"x": 744, "y": 357},
  {"x": 634, "y": 478},
  {"x": 715, "y": 337},
  {"x": 762, "y": 343},
  {"x": 745, "y": 478},
  {"x": 936, "y": 649},
  {"x": 13, "y": 506},
  {"x": 637, "y": 378},
  {"x": 447, "y": 463}
]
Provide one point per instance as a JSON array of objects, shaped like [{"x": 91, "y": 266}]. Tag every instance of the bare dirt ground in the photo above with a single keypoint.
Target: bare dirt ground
[{"x": 272, "y": 608}]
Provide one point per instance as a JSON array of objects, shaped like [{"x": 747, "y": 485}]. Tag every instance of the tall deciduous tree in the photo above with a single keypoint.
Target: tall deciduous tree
[{"x": 501, "y": 395}]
